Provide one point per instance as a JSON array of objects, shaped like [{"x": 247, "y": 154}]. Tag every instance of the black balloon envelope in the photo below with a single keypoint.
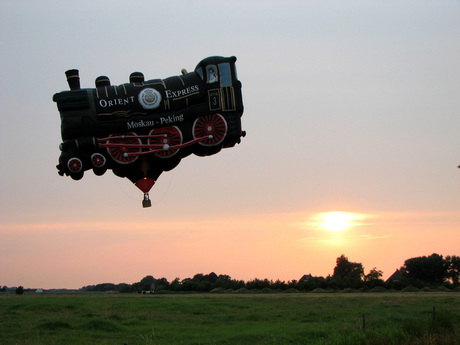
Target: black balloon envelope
[{"x": 144, "y": 127}]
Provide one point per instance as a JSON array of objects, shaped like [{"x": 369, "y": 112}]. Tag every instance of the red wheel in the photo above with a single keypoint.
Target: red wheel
[
  {"x": 75, "y": 165},
  {"x": 212, "y": 126},
  {"x": 165, "y": 138},
  {"x": 98, "y": 160},
  {"x": 121, "y": 153}
]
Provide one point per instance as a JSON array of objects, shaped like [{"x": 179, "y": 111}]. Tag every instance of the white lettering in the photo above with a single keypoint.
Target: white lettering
[
  {"x": 181, "y": 93},
  {"x": 104, "y": 103},
  {"x": 171, "y": 119},
  {"x": 166, "y": 120},
  {"x": 139, "y": 124}
]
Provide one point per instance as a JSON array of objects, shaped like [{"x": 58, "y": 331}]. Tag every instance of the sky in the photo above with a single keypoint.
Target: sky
[{"x": 350, "y": 106}]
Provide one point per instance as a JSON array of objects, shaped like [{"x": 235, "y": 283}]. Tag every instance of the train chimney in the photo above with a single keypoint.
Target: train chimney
[
  {"x": 102, "y": 81},
  {"x": 136, "y": 77},
  {"x": 73, "y": 79}
]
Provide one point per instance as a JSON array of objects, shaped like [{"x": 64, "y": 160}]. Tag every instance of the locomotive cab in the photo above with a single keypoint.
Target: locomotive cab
[{"x": 224, "y": 75}]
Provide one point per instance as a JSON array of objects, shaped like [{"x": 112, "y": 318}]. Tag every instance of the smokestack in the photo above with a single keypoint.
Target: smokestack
[
  {"x": 136, "y": 77},
  {"x": 102, "y": 81},
  {"x": 73, "y": 79}
]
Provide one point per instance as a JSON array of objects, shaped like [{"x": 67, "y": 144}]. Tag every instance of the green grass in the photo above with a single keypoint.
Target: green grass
[{"x": 303, "y": 318}]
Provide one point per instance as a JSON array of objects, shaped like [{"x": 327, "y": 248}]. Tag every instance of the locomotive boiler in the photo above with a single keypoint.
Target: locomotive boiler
[{"x": 142, "y": 128}]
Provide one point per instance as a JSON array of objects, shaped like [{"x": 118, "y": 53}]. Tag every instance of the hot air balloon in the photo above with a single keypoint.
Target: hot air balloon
[{"x": 142, "y": 128}]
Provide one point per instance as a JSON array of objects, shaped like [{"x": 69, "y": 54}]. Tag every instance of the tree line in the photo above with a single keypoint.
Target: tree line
[{"x": 432, "y": 271}]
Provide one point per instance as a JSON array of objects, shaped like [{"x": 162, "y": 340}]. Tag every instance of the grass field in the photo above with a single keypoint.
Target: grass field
[{"x": 425, "y": 318}]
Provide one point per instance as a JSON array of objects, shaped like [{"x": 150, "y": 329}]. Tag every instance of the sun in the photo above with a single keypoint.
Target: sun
[{"x": 336, "y": 221}]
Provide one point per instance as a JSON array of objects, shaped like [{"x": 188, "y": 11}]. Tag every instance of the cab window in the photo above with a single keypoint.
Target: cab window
[
  {"x": 225, "y": 74},
  {"x": 211, "y": 72}
]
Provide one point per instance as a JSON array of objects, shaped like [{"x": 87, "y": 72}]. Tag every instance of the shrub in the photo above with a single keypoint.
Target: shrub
[
  {"x": 410, "y": 288},
  {"x": 241, "y": 290},
  {"x": 348, "y": 290},
  {"x": 217, "y": 290},
  {"x": 318, "y": 290},
  {"x": 378, "y": 289}
]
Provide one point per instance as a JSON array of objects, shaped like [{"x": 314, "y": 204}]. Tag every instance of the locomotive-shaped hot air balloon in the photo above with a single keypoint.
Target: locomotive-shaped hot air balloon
[{"x": 142, "y": 128}]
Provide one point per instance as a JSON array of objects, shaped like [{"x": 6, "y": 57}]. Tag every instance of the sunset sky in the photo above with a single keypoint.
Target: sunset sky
[{"x": 350, "y": 106}]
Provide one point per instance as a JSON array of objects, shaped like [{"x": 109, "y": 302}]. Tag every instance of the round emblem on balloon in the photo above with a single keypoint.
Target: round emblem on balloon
[{"x": 149, "y": 98}]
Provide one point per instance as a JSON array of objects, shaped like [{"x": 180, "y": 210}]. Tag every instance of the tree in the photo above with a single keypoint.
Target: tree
[
  {"x": 200, "y": 283},
  {"x": 104, "y": 287},
  {"x": 372, "y": 279},
  {"x": 426, "y": 270},
  {"x": 175, "y": 284},
  {"x": 453, "y": 268},
  {"x": 147, "y": 283},
  {"x": 124, "y": 288},
  {"x": 312, "y": 283},
  {"x": 347, "y": 274},
  {"x": 279, "y": 285},
  {"x": 258, "y": 284},
  {"x": 19, "y": 290},
  {"x": 161, "y": 284},
  {"x": 211, "y": 277}
]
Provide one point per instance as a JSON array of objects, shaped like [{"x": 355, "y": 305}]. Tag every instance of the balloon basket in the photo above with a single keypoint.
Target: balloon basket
[{"x": 146, "y": 202}]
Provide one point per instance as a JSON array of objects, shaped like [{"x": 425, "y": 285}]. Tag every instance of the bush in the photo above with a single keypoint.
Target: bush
[
  {"x": 241, "y": 290},
  {"x": 410, "y": 288},
  {"x": 442, "y": 289},
  {"x": 378, "y": 289},
  {"x": 266, "y": 290},
  {"x": 348, "y": 290},
  {"x": 217, "y": 290}
]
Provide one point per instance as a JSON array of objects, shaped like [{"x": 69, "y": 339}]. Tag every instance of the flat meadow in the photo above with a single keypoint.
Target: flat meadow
[{"x": 425, "y": 318}]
